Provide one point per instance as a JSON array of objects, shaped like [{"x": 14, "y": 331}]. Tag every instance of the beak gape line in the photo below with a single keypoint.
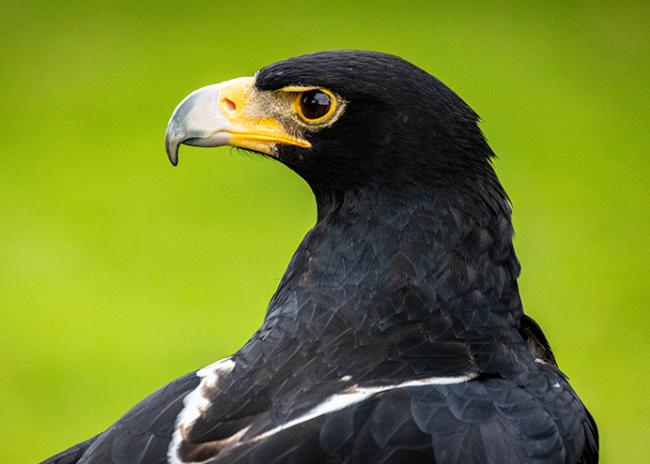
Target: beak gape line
[{"x": 222, "y": 114}]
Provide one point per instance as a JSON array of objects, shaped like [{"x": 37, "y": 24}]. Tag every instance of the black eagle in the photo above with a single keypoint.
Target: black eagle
[{"x": 397, "y": 334}]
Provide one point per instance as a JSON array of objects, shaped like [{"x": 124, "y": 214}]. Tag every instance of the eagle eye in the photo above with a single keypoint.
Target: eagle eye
[{"x": 316, "y": 105}]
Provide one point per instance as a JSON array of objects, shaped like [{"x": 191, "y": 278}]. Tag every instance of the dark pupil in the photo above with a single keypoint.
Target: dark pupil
[{"x": 314, "y": 104}]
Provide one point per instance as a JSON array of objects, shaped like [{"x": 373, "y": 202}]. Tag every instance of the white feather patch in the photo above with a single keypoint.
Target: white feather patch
[
  {"x": 195, "y": 404},
  {"x": 357, "y": 394}
]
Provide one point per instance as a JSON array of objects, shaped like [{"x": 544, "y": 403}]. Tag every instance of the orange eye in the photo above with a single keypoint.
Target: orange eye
[{"x": 315, "y": 105}]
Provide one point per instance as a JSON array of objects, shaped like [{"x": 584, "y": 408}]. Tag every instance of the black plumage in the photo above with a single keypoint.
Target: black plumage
[{"x": 397, "y": 333}]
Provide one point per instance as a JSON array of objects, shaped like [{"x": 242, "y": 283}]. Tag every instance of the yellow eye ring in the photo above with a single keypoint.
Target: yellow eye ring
[{"x": 315, "y": 105}]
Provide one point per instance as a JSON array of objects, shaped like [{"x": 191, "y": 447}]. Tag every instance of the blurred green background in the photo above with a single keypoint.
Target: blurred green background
[{"x": 119, "y": 273}]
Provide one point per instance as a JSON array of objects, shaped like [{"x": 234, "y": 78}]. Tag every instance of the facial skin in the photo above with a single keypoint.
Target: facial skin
[{"x": 392, "y": 125}]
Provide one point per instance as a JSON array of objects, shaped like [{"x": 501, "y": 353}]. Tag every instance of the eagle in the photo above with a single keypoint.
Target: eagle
[{"x": 397, "y": 333}]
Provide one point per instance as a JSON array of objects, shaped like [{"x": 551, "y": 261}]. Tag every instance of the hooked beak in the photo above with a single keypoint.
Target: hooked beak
[{"x": 225, "y": 114}]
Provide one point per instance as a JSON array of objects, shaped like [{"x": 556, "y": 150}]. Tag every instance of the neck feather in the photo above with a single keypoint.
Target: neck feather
[{"x": 405, "y": 255}]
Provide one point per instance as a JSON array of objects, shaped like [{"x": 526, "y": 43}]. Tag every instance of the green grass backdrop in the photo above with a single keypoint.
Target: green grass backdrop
[{"x": 119, "y": 273}]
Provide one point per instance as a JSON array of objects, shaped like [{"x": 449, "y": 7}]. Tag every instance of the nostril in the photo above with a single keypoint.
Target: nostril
[{"x": 229, "y": 105}]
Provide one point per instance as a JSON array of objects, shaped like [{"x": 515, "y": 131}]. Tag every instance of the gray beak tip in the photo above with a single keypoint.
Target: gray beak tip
[
  {"x": 197, "y": 121},
  {"x": 173, "y": 156},
  {"x": 171, "y": 146}
]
